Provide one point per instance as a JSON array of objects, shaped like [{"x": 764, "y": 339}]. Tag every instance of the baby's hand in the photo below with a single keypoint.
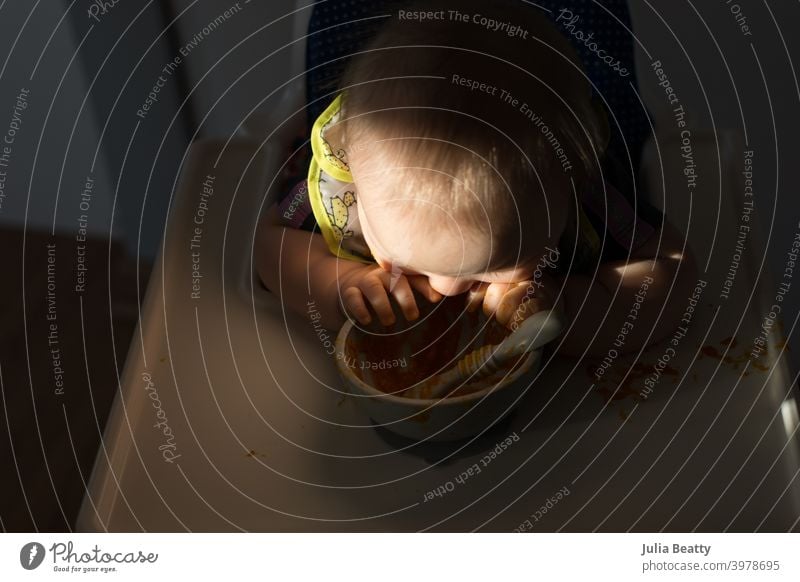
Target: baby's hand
[
  {"x": 511, "y": 303},
  {"x": 372, "y": 286}
]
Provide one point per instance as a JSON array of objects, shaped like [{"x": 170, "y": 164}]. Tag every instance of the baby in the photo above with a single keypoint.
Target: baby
[{"x": 457, "y": 160}]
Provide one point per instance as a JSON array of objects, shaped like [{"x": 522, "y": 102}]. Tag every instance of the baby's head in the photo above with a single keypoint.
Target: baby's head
[{"x": 466, "y": 145}]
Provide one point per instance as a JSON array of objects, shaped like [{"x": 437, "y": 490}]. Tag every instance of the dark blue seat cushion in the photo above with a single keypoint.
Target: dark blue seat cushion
[{"x": 338, "y": 28}]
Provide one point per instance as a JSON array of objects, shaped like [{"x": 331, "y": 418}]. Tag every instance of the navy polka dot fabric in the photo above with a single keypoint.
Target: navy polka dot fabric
[{"x": 339, "y": 28}]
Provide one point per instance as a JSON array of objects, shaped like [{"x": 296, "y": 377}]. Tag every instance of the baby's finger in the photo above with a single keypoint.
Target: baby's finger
[
  {"x": 493, "y": 296},
  {"x": 475, "y": 297},
  {"x": 354, "y": 306},
  {"x": 376, "y": 295},
  {"x": 515, "y": 304},
  {"x": 421, "y": 284},
  {"x": 402, "y": 293}
]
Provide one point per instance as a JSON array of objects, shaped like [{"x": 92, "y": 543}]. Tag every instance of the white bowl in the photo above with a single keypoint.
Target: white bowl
[{"x": 447, "y": 419}]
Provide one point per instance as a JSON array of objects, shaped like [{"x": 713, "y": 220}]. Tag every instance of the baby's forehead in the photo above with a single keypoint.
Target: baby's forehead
[
  {"x": 446, "y": 250},
  {"x": 427, "y": 200},
  {"x": 432, "y": 238},
  {"x": 432, "y": 191}
]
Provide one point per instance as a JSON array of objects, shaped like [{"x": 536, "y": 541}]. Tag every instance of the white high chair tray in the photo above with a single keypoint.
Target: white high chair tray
[{"x": 230, "y": 417}]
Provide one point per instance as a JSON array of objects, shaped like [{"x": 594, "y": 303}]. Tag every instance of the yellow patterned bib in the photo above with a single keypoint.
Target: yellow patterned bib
[{"x": 332, "y": 192}]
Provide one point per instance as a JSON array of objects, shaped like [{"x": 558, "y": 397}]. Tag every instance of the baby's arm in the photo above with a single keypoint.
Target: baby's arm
[
  {"x": 297, "y": 266},
  {"x": 591, "y": 299}
]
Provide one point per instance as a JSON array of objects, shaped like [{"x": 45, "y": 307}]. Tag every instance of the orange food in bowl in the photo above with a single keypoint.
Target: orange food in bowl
[{"x": 394, "y": 359}]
